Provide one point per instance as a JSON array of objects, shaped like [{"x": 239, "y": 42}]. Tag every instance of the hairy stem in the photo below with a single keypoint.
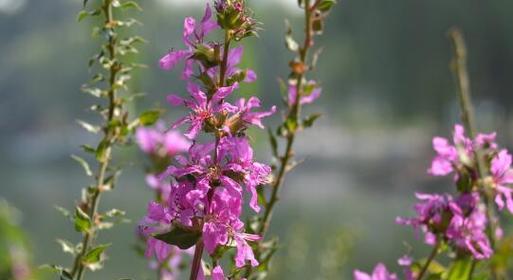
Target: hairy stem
[
  {"x": 293, "y": 112},
  {"x": 108, "y": 138}
]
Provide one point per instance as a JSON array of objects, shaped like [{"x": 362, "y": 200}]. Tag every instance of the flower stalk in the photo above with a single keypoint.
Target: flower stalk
[{"x": 108, "y": 84}]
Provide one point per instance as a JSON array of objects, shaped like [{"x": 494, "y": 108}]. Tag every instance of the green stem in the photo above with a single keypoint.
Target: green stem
[
  {"x": 224, "y": 62},
  {"x": 94, "y": 200},
  {"x": 428, "y": 261},
  {"x": 294, "y": 112}
]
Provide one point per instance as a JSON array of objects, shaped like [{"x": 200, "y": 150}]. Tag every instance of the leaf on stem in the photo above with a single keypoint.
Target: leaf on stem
[
  {"x": 82, "y": 220},
  {"x": 84, "y": 164},
  {"x": 180, "y": 237}
]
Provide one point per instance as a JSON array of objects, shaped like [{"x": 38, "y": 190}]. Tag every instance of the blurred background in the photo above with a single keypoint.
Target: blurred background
[{"x": 387, "y": 91}]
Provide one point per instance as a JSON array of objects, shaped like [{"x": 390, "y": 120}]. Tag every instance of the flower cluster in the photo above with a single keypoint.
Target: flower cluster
[
  {"x": 459, "y": 222},
  {"x": 208, "y": 184},
  {"x": 380, "y": 272},
  {"x": 459, "y": 158},
  {"x": 479, "y": 168},
  {"x": 161, "y": 146}
]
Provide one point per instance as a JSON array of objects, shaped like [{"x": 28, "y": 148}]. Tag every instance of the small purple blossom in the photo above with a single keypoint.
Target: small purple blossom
[
  {"x": 460, "y": 222},
  {"x": 311, "y": 91},
  {"x": 502, "y": 175},
  {"x": 157, "y": 141},
  {"x": 192, "y": 35},
  {"x": 380, "y": 272},
  {"x": 203, "y": 108}
]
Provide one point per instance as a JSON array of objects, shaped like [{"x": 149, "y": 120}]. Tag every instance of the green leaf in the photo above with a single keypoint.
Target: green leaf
[
  {"x": 94, "y": 256},
  {"x": 82, "y": 15},
  {"x": 84, "y": 164},
  {"x": 82, "y": 220},
  {"x": 131, "y": 4},
  {"x": 149, "y": 117},
  {"x": 310, "y": 120},
  {"x": 101, "y": 151},
  {"x": 291, "y": 124},
  {"x": 460, "y": 269},
  {"x": 89, "y": 127},
  {"x": 326, "y": 5},
  {"x": 180, "y": 237},
  {"x": 88, "y": 149}
]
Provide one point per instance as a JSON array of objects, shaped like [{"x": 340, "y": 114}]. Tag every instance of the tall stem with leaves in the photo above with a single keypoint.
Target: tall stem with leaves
[
  {"x": 110, "y": 85},
  {"x": 300, "y": 91}
]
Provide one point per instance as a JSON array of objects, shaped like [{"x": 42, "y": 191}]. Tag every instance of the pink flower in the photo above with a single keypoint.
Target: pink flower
[
  {"x": 309, "y": 94},
  {"x": 202, "y": 108},
  {"x": 502, "y": 176},
  {"x": 461, "y": 222},
  {"x": 192, "y": 35},
  {"x": 218, "y": 273},
  {"x": 380, "y": 273},
  {"x": 446, "y": 156},
  {"x": 157, "y": 141}
]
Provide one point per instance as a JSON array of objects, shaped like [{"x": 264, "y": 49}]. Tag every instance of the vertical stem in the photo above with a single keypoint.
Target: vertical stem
[
  {"x": 198, "y": 252},
  {"x": 459, "y": 65},
  {"x": 196, "y": 261},
  {"x": 94, "y": 200},
  {"x": 294, "y": 112},
  {"x": 467, "y": 115},
  {"x": 428, "y": 261},
  {"x": 224, "y": 62}
]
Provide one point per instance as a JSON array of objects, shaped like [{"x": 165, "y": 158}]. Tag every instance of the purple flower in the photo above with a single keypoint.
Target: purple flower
[
  {"x": 157, "y": 141},
  {"x": 192, "y": 35},
  {"x": 446, "y": 156},
  {"x": 502, "y": 175},
  {"x": 460, "y": 222},
  {"x": 254, "y": 118},
  {"x": 380, "y": 273},
  {"x": 218, "y": 273},
  {"x": 202, "y": 108},
  {"x": 310, "y": 93},
  {"x": 450, "y": 156}
]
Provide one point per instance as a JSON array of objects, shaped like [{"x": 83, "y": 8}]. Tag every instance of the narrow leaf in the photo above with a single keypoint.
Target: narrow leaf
[
  {"x": 89, "y": 127},
  {"x": 149, "y": 117},
  {"x": 84, "y": 164},
  {"x": 82, "y": 15},
  {"x": 131, "y": 4},
  {"x": 326, "y": 5},
  {"x": 310, "y": 120}
]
